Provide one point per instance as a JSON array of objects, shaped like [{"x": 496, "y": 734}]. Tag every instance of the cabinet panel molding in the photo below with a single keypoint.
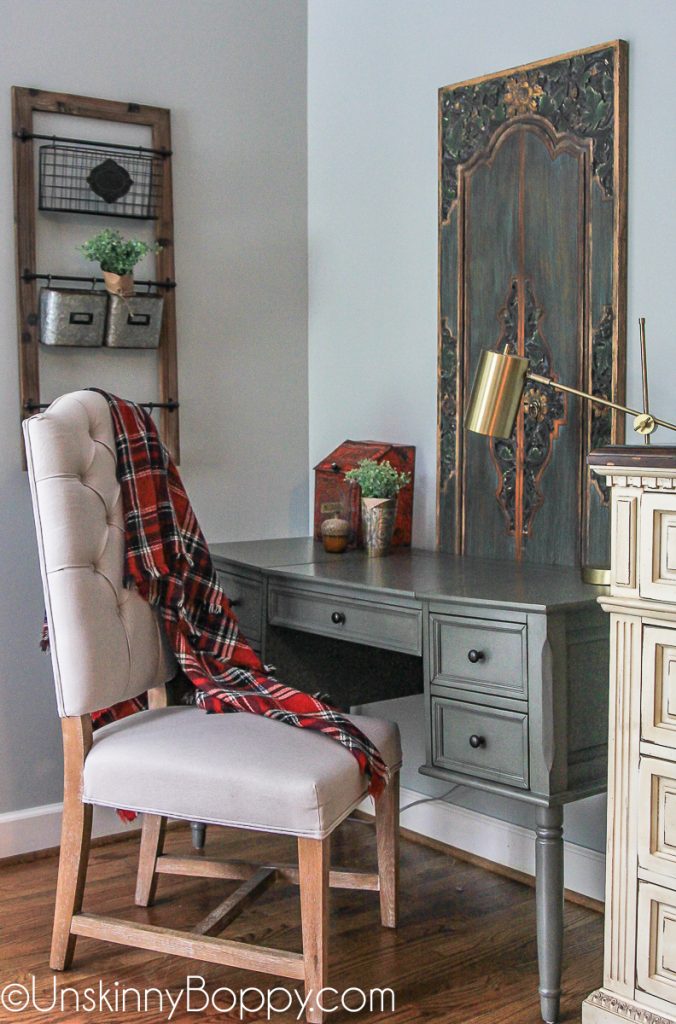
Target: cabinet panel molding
[
  {"x": 657, "y": 817},
  {"x": 623, "y": 745},
  {"x": 658, "y": 714},
  {"x": 658, "y": 547}
]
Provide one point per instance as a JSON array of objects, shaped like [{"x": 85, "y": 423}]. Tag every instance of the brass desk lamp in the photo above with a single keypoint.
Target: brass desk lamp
[{"x": 497, "y": 394}]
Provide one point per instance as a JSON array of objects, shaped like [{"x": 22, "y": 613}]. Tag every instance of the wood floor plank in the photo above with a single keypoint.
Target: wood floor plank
[{"x": 464, "y": 951}]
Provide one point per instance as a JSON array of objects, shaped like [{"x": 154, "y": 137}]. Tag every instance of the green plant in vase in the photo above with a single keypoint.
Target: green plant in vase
[
  {"x": 380, "y": 484},
  {"x": 117, "y": 257}
]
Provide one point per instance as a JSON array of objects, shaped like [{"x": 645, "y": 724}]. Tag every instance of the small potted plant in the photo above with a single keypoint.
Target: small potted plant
[
  {"x": 380, "y": 484},
  {"x": 117, "y": 257}
]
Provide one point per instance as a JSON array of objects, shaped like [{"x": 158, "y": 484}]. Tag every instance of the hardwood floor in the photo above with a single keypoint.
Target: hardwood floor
[{"x": 464, "y": 950}]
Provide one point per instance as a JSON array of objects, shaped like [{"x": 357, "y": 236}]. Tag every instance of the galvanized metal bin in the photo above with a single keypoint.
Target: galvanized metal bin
[
  {"x": 72, "y": 317},
  {"x": 135, "y": 322}
]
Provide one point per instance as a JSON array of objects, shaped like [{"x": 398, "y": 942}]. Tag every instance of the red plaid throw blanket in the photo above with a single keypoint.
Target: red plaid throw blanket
[{"x": 168, "y": 561}]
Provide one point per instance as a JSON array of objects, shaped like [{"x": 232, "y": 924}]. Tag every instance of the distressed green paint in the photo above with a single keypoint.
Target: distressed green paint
[
  {"x": 507, "y": 235},
  {"x": 448, "y": 374},
  {"x": 555, "y": 276},
  {"x": 569, "y": 208}
]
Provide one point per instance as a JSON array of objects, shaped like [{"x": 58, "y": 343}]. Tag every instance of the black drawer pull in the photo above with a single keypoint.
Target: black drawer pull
[
  {"x": 338, "y": 618},
  {"x": 83, "y": 319},
  {"x": 475, "y": 656},
  {"x": 236, "y": 602},
  {"x": 477, "y": 741}
]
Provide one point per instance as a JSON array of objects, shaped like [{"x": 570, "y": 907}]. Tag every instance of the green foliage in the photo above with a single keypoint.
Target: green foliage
[
  {"x": 378, "y": 479},
  {"x": 115, "y": 254}
]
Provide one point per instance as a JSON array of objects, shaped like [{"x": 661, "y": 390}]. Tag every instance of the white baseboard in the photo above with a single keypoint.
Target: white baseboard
[
  {"x": 39, "y": 828},
  {"x": 509, "y": 845}
]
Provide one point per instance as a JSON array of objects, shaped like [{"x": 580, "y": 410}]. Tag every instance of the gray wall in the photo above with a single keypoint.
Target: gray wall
[
  {"x": 233, "y": 73},
  {"x": 373, "y": 73}
]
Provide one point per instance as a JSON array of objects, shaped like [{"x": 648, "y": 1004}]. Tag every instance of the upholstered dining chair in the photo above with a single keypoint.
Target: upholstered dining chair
[{"x": 238, "y": 770}]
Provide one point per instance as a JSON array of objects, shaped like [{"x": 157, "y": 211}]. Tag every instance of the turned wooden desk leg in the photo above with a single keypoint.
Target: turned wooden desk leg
[{"x": 549, "y": 904}]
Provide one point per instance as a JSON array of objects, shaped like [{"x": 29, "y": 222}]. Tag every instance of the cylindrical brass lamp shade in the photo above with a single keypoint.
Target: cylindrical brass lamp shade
[{"x": 496, "y": 394}]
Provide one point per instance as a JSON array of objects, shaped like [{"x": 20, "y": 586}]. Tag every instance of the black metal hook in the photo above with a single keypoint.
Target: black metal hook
[{"x": 28, "y": 275}]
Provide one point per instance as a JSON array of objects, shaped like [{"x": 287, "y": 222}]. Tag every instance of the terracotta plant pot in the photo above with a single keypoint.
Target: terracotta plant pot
[
  {"x": 377, "y": 519},
  {"x": 119, "y": 284}
]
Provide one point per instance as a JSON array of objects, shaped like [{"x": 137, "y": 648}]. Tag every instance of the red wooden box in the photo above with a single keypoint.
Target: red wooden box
[{"x": 335, "y": 496}]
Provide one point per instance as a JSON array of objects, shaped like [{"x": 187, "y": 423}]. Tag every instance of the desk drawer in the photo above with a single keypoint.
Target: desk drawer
[
  {"x": 479, "y": 655},
  {"x": 657, "y": 816},
  {"x": 392, "y": 627},
  {"x": 657, "y": 571},
  {"x": 656, "y": 945},
  {"x": 488, "y": 743},
  {"x": 247, "y": 599},
  {"x": 658, "y": 686}
]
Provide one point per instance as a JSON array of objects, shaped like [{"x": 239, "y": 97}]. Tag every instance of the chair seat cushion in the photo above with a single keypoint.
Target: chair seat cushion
[{"x": 233, "y": 769}]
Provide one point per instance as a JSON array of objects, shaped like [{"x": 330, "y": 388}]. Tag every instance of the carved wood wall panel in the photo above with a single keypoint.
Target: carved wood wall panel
[{"x": 532, "y": 207}]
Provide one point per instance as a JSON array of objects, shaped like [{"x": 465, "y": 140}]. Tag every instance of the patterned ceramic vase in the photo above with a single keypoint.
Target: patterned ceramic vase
[{"x": 377, "y": 520}]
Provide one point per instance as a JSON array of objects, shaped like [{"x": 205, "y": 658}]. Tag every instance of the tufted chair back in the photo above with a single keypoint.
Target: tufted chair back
[{"x": 106, "y": 642}]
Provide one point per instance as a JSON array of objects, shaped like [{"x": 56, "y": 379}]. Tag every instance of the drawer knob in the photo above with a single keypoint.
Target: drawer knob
[
  {"x": 475, "y": 656},
  {"x": 338, "y": 618},
  {"x": 477, "y": 741}
]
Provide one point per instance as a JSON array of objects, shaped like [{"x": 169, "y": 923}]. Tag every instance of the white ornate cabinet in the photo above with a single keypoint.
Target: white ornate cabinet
[{"x": 639, "y": 982}]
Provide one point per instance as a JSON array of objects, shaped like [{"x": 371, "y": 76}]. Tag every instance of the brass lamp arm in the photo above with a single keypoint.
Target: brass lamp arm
[{"x": 539, "y": 379}]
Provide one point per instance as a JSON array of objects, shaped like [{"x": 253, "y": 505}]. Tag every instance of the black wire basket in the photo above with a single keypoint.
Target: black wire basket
[{"x": 110, "y": 181}]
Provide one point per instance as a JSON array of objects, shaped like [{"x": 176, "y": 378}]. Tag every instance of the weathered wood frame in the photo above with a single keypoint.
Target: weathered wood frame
[
  {"x": 26, "y": 102},
  {"x": 451, "y": 515},
  {"x": 312, "y": 875}
]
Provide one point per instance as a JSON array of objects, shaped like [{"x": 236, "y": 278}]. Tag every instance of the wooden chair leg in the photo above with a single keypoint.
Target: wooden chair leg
[
  {"x": 75, "y": 839},
  {"x": 313, "y": 870},
  {"x": 387, "y": 836},
  {"x": 152, "y": 844},
  {"x": 76, "y": 832}
]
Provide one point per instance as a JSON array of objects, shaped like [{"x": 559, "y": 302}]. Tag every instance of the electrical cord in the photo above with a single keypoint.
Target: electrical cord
[
  {"x": 414, "y": 803},
  {"x": 429, "y": 799}
]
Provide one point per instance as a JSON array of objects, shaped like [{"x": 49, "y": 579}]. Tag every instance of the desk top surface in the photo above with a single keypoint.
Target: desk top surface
[{"x": 416, "y": 573}]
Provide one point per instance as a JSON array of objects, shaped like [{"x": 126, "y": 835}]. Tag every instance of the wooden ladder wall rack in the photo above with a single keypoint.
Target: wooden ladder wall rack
[{"x": 25, "y": 102}]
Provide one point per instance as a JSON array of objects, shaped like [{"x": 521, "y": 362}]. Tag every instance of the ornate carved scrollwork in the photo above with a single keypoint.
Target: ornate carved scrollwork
[
  {"x": 602, "y": 385},
  {"x": 448, "y": 382},
  {"x": 574, "y": 95},
  {"x": 522, "y": 459},
  {"x": 635, "y": 1014}
]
